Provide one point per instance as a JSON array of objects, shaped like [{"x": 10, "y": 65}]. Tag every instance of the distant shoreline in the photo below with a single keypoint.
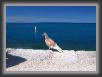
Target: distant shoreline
[{"x": 48, "y": 22}]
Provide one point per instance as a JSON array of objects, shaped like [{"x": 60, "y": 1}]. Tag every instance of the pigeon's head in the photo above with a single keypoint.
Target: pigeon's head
[{"x": 45, "y": 34}]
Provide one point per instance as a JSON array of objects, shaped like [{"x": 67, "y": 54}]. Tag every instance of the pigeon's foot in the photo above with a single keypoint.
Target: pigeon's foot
[{"x": 61, "y": 51}]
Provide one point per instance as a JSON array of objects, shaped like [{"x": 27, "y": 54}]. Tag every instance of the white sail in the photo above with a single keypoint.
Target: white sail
[{"x": 35, "y": 29}]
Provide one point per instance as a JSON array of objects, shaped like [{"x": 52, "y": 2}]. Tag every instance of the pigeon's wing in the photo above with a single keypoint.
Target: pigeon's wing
[{"x": 50, "y": 42}]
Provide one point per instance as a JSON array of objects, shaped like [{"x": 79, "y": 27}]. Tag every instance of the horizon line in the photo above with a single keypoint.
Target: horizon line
[{"x": 50, "y": 22}]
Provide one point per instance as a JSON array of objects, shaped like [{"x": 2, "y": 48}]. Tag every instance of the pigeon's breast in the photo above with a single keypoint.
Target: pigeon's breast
[{"x": 50, "y": 42}]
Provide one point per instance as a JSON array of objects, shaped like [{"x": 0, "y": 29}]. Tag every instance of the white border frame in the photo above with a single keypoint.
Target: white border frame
[{"x": 50, "y": 4}]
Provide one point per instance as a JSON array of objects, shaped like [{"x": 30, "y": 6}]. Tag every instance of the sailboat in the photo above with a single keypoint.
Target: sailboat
[{"x": 35, "y": 30}]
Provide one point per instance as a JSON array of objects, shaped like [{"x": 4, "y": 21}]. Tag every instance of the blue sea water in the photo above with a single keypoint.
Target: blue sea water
[{"x": 69, "y": 36}]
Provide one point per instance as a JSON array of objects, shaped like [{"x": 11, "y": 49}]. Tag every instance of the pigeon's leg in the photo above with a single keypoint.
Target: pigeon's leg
[{"x": 49, "y": 48}]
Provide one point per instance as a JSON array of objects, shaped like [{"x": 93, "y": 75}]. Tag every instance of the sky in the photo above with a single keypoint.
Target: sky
[{"x": 34, "y": 14}]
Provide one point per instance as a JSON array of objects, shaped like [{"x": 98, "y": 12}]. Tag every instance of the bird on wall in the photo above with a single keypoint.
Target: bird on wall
[{"x": 51, "y": 44}]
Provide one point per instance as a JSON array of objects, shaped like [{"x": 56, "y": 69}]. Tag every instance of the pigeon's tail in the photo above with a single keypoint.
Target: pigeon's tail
[{"x": 58, "y": 48}]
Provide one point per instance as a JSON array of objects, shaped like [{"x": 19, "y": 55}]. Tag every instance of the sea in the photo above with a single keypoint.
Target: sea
[{"x": 69, "y": 36}]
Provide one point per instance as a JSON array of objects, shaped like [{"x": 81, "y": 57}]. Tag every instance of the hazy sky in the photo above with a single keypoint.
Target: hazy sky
[{"x": 29, "y": 14}]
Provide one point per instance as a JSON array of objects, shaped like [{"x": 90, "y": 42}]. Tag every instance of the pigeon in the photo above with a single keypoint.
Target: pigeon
[{"x": 51, "y": 44}]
